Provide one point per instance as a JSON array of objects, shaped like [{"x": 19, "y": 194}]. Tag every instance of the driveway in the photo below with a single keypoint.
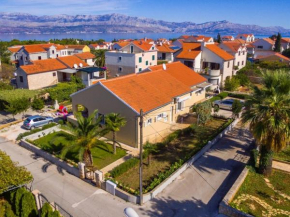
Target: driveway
[{"x": 197, "y": 192}]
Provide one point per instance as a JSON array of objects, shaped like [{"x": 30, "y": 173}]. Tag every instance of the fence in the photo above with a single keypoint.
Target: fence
[{"x": 61, "y": 210}]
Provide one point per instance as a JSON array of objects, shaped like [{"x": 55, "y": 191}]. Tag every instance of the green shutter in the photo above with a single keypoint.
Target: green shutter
[
  {"x": 153, "y": 57},
  {"x": 146, "y": 63},
  {"x": 140, "y": 59},
  {"x": 140, "y": 69}
]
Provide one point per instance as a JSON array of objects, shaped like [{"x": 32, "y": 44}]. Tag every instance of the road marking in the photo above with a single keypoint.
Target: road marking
[{"x": 99, "y": 191}]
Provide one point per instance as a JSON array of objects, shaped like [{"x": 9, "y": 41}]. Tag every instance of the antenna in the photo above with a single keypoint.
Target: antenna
[
  {"x": 164, "y": 66},
  {"x": 75, "y": 66}
]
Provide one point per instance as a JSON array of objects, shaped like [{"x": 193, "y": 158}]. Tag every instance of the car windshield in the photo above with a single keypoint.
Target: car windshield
[{"x": 27, "y": 120}]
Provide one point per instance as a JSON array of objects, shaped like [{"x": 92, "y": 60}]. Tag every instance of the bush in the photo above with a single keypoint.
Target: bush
[
  {"x": 5, "y": 86},
  {"x": 215, "y": 98},
  {"x": 7, "y": 209},
  {"x": 231, "y": 84},
  {"x": 17, "y": 200},
  {"x": 223, "y": 95},
  {"x": 22, "y": 135},
  {"x": 45, "y": 210},
  {"x": 203, "y": 111},
  {"x": 37, "y": 104},
  {"x": 124, "y": 167},
  {"x": 28, "y": 205},
  {"x": 239, "y": 96},
  {"x": 243, "y": 78}
]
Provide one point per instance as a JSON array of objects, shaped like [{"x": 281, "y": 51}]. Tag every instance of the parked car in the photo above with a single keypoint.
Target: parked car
[
  {"x": 225, "y": 104},
  {"x": 36, "y": 121}
]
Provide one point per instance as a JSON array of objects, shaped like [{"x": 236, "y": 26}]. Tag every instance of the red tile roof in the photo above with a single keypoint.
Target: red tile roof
[
  {"x": 285, "y": 40},
  {"x": 77, "y": 47},
  {"x": 69, "y": 61},
  {"x": 14, "y": 49},
  {"x": 233, "y": 46},
  {"x": 39, "y": 66},
  {"x": 165, "y": 48},
  {"x": 189, "y": 51},
  {"x": 85, "y": 55},
  {"x": 150, "y": 90},
  {"x": 35, "y": 48},
  {"x": 274, "y": 54},
  {"x": 143, "y": 45},
  {"x": 269, "y": 40},
  {"x": 220, "y": 52}
]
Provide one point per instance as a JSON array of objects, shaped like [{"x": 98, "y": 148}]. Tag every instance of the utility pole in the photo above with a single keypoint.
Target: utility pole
[{"x": 141, "y": 153}]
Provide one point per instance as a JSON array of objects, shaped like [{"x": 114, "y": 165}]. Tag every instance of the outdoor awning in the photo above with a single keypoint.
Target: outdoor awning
[
  {"x": 92, "y": 69},
  {"x": 70, "y": 71},
  {"x": 204, "y": 85}
]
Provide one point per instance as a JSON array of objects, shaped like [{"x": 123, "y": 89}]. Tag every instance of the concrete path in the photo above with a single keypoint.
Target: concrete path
[
  {"x": 281, "y": 166},
  {"x": 197, "y": 192}
]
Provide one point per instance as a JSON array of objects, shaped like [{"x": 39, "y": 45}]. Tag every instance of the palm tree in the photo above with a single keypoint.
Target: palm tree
[
  {"x": 87, "y": 135},
  {"x": 100, "y": 57},
  {"x": 268, "y": 113},
  {"x": 113, "y": 124}
]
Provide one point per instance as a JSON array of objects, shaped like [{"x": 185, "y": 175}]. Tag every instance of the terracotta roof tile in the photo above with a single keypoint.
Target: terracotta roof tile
[
  {"x": 78, "y": 47},
  {"x": 285, "y": 40},
  {"x": 69, "y": 61},
  {"x": 233, "y": 46},
  {"x": 220, "y": 52},
  {"x": 274, "y": 54},
  {"x": 39, "y": 66},
  {"x": 34, "y": 48},
  {"x": 269, "y": 40},
  {"x": 165, "y": 48},
  {"x": 85, "y": 55},
  {"x": 143, "y": 45},
  {"x": 14, "y": 49},
  {"x": 146, "y": 91},
  {"x": 189, "y": 51},
  {"x": 123, "y": 43}
]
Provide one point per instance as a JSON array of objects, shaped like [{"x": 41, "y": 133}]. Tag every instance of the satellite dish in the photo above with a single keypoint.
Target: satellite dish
[
  {"x": 164, "y": 66},
  {"x": 75, "y": 66},
  {"x": 81, "y": 65}
]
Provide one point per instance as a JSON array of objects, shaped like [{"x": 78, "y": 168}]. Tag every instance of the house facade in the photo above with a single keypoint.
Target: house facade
[
  {"x": 264, "y": 44},
  {"x": 164, "y": 93},
  {"x": 246, "y": 37},
  {"x": 132, "y": 58},
  {"x": 227, "y": 38},
  {"x": 166, "y": 52}
]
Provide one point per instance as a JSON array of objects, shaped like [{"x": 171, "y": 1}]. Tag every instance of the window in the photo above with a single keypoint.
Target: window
[
  {"x": 228, "y": 64},
  {"x": 239, "y": 53},
  {"x": 242, "y": 63},
  {"x": 140, "y": 59},
  {"x": 148, "y": 122},
  {"x": 26, "y": 58},
  {"x": 153, "y": 57},
  {"x": 153, "y": 48},
  {"x": 120, "y": 58},
  {"x": 140, "y": 69},
  {"x": 160, "y": 116},
  {"x": 146, "y": 63},
  {"x": 180, "y": 105},
  {"x": 56, "y": 55},
  {"x": 243, "y": 52},
  {"x": 54, "y": 74},
  {"x": 21, "y": 79},
  {"x": 261, "y": 47},
  {"x": 132, "y": 49},
  {"x": 120, "y": 69},
  {"x": 39, "y": 57},
  {"x": 102, "y": 118},
  {"x": 238, "y": 63},
  {"x": 188, "y": 63},
  {"x": 21, "y": 57},
  {"x": 52, "y": 51}
]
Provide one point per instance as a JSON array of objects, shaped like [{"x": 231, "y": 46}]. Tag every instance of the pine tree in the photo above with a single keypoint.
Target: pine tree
[
  {"x": 278, "y": 43},
  {"x": 219, "y": 40}
]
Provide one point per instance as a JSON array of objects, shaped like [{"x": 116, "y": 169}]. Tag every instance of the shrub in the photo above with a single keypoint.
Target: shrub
[
  {"x": 239, "y": 96},
  {"x": 5, "y": 86},
  {"x": 203, "y": 111},
  {"x": 243, "y": 78},
  {"x": 28, "y": 205},
  {"x": 231, "y": 84},
  {"x": 215, "y": 98},
  {"x": 122, "y": 168},
  {"x": 237, "y": 107},
  {"x": 17, "y": 200},
  {"x": 37, "y": 104},
  {"x": 223, "y": 95},
  {"x": 45, "y": 209}
]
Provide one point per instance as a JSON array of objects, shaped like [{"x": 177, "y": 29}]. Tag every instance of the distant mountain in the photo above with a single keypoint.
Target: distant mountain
[{"x": 118, "y": 23}]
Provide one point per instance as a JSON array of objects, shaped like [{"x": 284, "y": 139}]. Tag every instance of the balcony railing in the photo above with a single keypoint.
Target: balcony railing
[{"x": 214, "y": 72}]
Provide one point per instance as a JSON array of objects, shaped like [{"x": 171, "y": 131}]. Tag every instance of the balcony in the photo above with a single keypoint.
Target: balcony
[{"x": 214, "y": 72}]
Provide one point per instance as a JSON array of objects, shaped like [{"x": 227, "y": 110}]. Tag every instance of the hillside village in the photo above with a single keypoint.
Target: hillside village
[{"x": 106, "y": 112}]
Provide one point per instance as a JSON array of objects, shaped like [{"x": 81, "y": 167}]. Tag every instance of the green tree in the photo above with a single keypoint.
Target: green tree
[
  {"x": 14, "y": 174},
  {"x": 216, "y": 109},
  {"x": 28, "y": 205},
  {"x": 149, "y": 149},
  {"x": 13, "y": 107},
  {"x": 203, "y": 111},
  {"x": 218, "y": 39},
  {"x": 232, "y": 84},
  {"x": 114, "y": 122},
  {"x": 87, "y": 132},
  {"x": 278, "y": 43},
  {"x": 17, "y": 200},
  {"x": 37, "y": 104},
  {"x": 268, "y": 113},
  {"x": 23, "y": 105},
  {"x": 45, "y": 209},
  {"x": 237, "y": 107},
  {"x": 243, "y": 79}
]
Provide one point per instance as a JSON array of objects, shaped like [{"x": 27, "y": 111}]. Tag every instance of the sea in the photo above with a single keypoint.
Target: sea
[{"x": 105, "y": 36}]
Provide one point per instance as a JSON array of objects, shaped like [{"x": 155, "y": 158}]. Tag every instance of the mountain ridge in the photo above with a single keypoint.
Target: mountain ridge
[{"x": 11, "y": 23}]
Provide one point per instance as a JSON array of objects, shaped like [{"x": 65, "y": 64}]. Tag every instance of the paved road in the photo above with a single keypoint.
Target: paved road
[{"x": 196, "y": 192}]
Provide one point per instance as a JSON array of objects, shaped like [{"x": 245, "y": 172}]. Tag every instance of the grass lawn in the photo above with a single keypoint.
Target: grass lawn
[
  {"x": 102, "y": 154},
  {"x": 255, "y": 197},
  {"x": 170, "y": 153},
  {"x": 283, "y": 155}
]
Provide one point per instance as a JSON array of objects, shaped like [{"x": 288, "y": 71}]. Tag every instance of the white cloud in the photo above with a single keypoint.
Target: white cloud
[{"x": 73, "y": 7}]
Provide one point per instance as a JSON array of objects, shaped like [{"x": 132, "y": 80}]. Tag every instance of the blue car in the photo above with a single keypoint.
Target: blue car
[{"x": 36, "y": 121}]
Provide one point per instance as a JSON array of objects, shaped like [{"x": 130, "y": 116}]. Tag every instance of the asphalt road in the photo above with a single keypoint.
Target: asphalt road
[{"x": 197, "y": 192}]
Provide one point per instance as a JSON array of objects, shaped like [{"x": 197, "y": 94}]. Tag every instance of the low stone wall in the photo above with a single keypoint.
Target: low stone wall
[
  {"x": 224, "y": 207},
  {"x": 64, "y": 165},
  {"x": 148, "y": 196}
]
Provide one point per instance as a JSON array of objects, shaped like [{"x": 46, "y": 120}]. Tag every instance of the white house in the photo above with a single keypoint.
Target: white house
[
  {"x": 246, "y": 37},
  {"x": 166, "y": 52},
  {"x": 285, "y": 43},
  {"x": 264, "y": 44}
]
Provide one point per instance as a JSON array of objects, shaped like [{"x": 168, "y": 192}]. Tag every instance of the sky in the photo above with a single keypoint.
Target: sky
[{"x": 259, "y": 12}]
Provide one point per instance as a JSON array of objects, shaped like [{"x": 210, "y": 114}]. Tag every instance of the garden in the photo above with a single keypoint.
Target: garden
[
  {"x": 162, "y": 159},
  {"x": 55, "y": 142},
  {"x": 260, "y": 196}
]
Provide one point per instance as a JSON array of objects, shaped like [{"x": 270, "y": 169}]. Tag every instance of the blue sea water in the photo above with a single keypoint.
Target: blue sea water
[{"x": 96, "y": 36}]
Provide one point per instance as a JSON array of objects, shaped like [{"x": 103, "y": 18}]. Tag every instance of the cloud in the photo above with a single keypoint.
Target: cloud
[{"x": 72, "y": 7}]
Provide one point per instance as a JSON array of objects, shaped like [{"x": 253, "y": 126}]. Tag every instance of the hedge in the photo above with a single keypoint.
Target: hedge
[
  {"x": 124, "y": 167},
  {"x": 45, "y": 210},
  {"x": 239, "y": 96},
  {"x": 17, "y": 200},
  {"x": 223, "y": 95},
  {"x": 22, "y": 135},
  {"x": 28, "y": 205}
]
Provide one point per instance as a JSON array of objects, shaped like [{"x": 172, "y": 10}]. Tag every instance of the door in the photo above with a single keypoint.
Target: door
[
  {"x": 42, "y": 121},
  {"x": 163, "y": 56},
  {"x": 64, "y": 76}
]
